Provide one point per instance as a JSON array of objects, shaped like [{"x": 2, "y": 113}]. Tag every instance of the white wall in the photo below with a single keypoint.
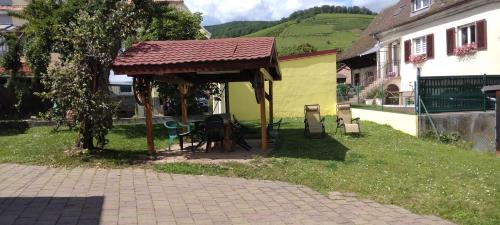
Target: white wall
[
  {"x": 403, "y": 122},
  {"x": 484, "y": 62}
]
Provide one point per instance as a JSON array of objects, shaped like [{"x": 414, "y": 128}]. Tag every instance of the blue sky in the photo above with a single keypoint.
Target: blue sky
[{"x": 222, "y": 11}]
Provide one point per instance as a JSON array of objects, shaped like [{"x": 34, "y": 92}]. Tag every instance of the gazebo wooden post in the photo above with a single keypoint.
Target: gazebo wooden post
[
  {"x": 263, "y": 121},
  {"x": 183, "y": 91},
  {"x": 271, "y": 103},
  {"x": 148, "y": 112}
]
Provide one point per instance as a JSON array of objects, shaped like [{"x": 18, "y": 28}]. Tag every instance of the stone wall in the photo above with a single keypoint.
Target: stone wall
[{"x": 477, "y": 128}]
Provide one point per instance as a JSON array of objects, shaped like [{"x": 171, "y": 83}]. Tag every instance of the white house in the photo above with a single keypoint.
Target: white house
[{"x": 429, "y": 38}]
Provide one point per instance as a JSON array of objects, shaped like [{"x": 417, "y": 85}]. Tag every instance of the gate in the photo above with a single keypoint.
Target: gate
[{"x": 456, "y": 93}]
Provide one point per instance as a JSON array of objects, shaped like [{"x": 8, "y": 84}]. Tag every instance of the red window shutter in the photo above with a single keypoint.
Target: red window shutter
[
  {"x": 407, "y": 51},
  {"x": 481, "y": 35},
  {"x": 430, "y": 46},
  {"x": 450, "y": 41}
]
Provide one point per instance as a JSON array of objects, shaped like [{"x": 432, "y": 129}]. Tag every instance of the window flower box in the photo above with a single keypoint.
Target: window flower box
[
  {"x": 466, "y": 50},
  {"x": 418, "y": 59}
]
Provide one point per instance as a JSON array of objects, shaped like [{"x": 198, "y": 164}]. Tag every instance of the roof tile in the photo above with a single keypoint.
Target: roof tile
[{"x": 175, "y": 52}]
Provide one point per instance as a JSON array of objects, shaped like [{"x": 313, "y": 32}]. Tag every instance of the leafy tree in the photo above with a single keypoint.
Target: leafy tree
[
  {"x": 238, "y": 28},
  {"x": 298, "y": 49},
  {"x": 85, "y": 36},
  {"x": 302, "y": 14},
  {"x": 169, "y": 23}
]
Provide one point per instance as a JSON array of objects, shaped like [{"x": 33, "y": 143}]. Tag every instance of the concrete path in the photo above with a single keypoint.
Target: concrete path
[{"x": 47, "y": 196}]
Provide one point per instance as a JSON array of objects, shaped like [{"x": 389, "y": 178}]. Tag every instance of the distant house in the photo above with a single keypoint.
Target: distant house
[
  {"x": 426, "y": 38},
  {"x": 344, "y": 75}
]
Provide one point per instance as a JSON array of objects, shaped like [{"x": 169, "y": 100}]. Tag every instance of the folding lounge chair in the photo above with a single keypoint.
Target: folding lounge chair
[
  {"x": 345, "y": 121},
  {"x": 314, "y": 124}
]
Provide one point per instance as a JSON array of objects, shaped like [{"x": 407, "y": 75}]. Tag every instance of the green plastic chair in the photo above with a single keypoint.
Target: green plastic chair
[{"x": 174, "y": 131}]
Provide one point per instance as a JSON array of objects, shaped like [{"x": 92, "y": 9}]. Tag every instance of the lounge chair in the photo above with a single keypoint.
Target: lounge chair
[
  {"x": 314, "y": 124},
  {"x": 345, "y": 121}
]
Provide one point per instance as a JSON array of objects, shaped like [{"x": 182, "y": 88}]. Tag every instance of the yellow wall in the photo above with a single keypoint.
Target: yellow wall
[{"x": 310, "y": 80}]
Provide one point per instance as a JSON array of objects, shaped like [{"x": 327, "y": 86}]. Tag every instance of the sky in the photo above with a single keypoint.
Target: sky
[{"x": 222, "y": 11}]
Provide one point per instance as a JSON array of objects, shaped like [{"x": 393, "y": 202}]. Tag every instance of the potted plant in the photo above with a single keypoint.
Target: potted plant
[
  {"x": 379, "y": 96},
  {"x": 369, "y": 100},
  {"x": 466, "y": 50},
  {"x": 418, "y": 60}
]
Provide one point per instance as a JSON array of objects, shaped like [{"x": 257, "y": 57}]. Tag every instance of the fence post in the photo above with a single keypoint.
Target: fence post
[
  {"x": 383, "y": 93},
  {"x": 357, "y": 91},
  {"x": 417, "y": 92},
  {"x": 417, "y": 102},
  {"x": 484, "y": 94}
]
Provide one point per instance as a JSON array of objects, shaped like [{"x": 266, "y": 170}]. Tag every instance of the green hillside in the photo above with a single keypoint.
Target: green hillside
[
  {"x": 323, "y": 31},
  {"x": 238, "y": 28}
]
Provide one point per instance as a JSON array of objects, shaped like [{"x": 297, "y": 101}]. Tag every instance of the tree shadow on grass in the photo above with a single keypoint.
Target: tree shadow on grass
[
  {"x": 295, "y": 144},
  {"x": 139, "y": 131},
  {"x": 119, "y": 156},
  {"x": 13, "y": 128}
]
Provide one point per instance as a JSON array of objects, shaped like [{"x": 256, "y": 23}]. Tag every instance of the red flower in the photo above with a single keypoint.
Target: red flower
[
  {"x": 465, "y": 50},
  {"x": 418, "y": 59}
]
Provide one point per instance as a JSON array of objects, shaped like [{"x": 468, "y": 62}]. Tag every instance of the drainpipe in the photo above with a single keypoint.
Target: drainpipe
[{"x": 379, "y": 69}]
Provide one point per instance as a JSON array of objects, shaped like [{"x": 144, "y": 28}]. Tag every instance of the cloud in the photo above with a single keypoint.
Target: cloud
[{"x": 222, "y": 11}]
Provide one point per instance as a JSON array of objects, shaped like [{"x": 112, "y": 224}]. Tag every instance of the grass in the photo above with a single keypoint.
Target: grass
[
  {"x": 324, "y": 31},
  {"x": 383, "y": 164},
  {"x": 407, "y": 110},
  {"x": 42, "y": 146}
]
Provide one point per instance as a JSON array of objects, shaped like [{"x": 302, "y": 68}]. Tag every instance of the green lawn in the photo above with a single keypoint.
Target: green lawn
[
  {"x": 383, "y": 164},
  {"x": 41, "y": 146}
]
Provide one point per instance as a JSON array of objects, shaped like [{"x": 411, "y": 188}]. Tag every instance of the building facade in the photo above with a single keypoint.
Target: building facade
[{"x": 427, "y": 38}]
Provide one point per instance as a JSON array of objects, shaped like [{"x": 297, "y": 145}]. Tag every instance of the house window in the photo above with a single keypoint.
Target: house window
[
  {"x": 467, "y": 35},
  {"x": 420, "y": 46},
  {"x": 420, "y": 4},
  {"x": 125, "y": 89}
]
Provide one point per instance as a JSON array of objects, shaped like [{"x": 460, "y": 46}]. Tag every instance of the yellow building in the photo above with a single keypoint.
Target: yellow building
[{"x": 307, "y": 79}]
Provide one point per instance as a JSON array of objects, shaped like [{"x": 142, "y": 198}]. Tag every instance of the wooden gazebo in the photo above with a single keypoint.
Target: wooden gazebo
[{"x": 201, "y": 61}]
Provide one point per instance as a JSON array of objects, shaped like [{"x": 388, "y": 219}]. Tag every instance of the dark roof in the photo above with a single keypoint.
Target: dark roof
[
  {"x": 215, "y": 50},
  {"x": 392, "y": 17}
]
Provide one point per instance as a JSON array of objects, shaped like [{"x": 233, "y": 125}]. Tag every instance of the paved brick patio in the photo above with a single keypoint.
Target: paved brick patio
[{"x": 47, "y": 196}]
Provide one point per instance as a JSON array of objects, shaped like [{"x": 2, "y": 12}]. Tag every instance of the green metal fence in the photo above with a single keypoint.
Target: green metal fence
[{"x": 456, "y": 93}]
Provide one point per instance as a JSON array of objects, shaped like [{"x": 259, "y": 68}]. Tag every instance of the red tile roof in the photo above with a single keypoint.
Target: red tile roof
[{"x": 158, "y": 53}]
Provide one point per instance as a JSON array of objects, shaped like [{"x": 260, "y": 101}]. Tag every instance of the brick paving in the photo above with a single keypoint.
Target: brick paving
[{"x": 49, "y": 196}]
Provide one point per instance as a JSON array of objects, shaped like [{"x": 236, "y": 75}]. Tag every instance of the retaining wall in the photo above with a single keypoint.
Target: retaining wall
[
  {"x": 403, "y": 122},
  {"x": 475, "y": 127}
]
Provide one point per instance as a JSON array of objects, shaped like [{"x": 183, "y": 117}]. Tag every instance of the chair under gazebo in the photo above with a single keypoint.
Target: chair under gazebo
[{"x": 201, "y": 61}]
